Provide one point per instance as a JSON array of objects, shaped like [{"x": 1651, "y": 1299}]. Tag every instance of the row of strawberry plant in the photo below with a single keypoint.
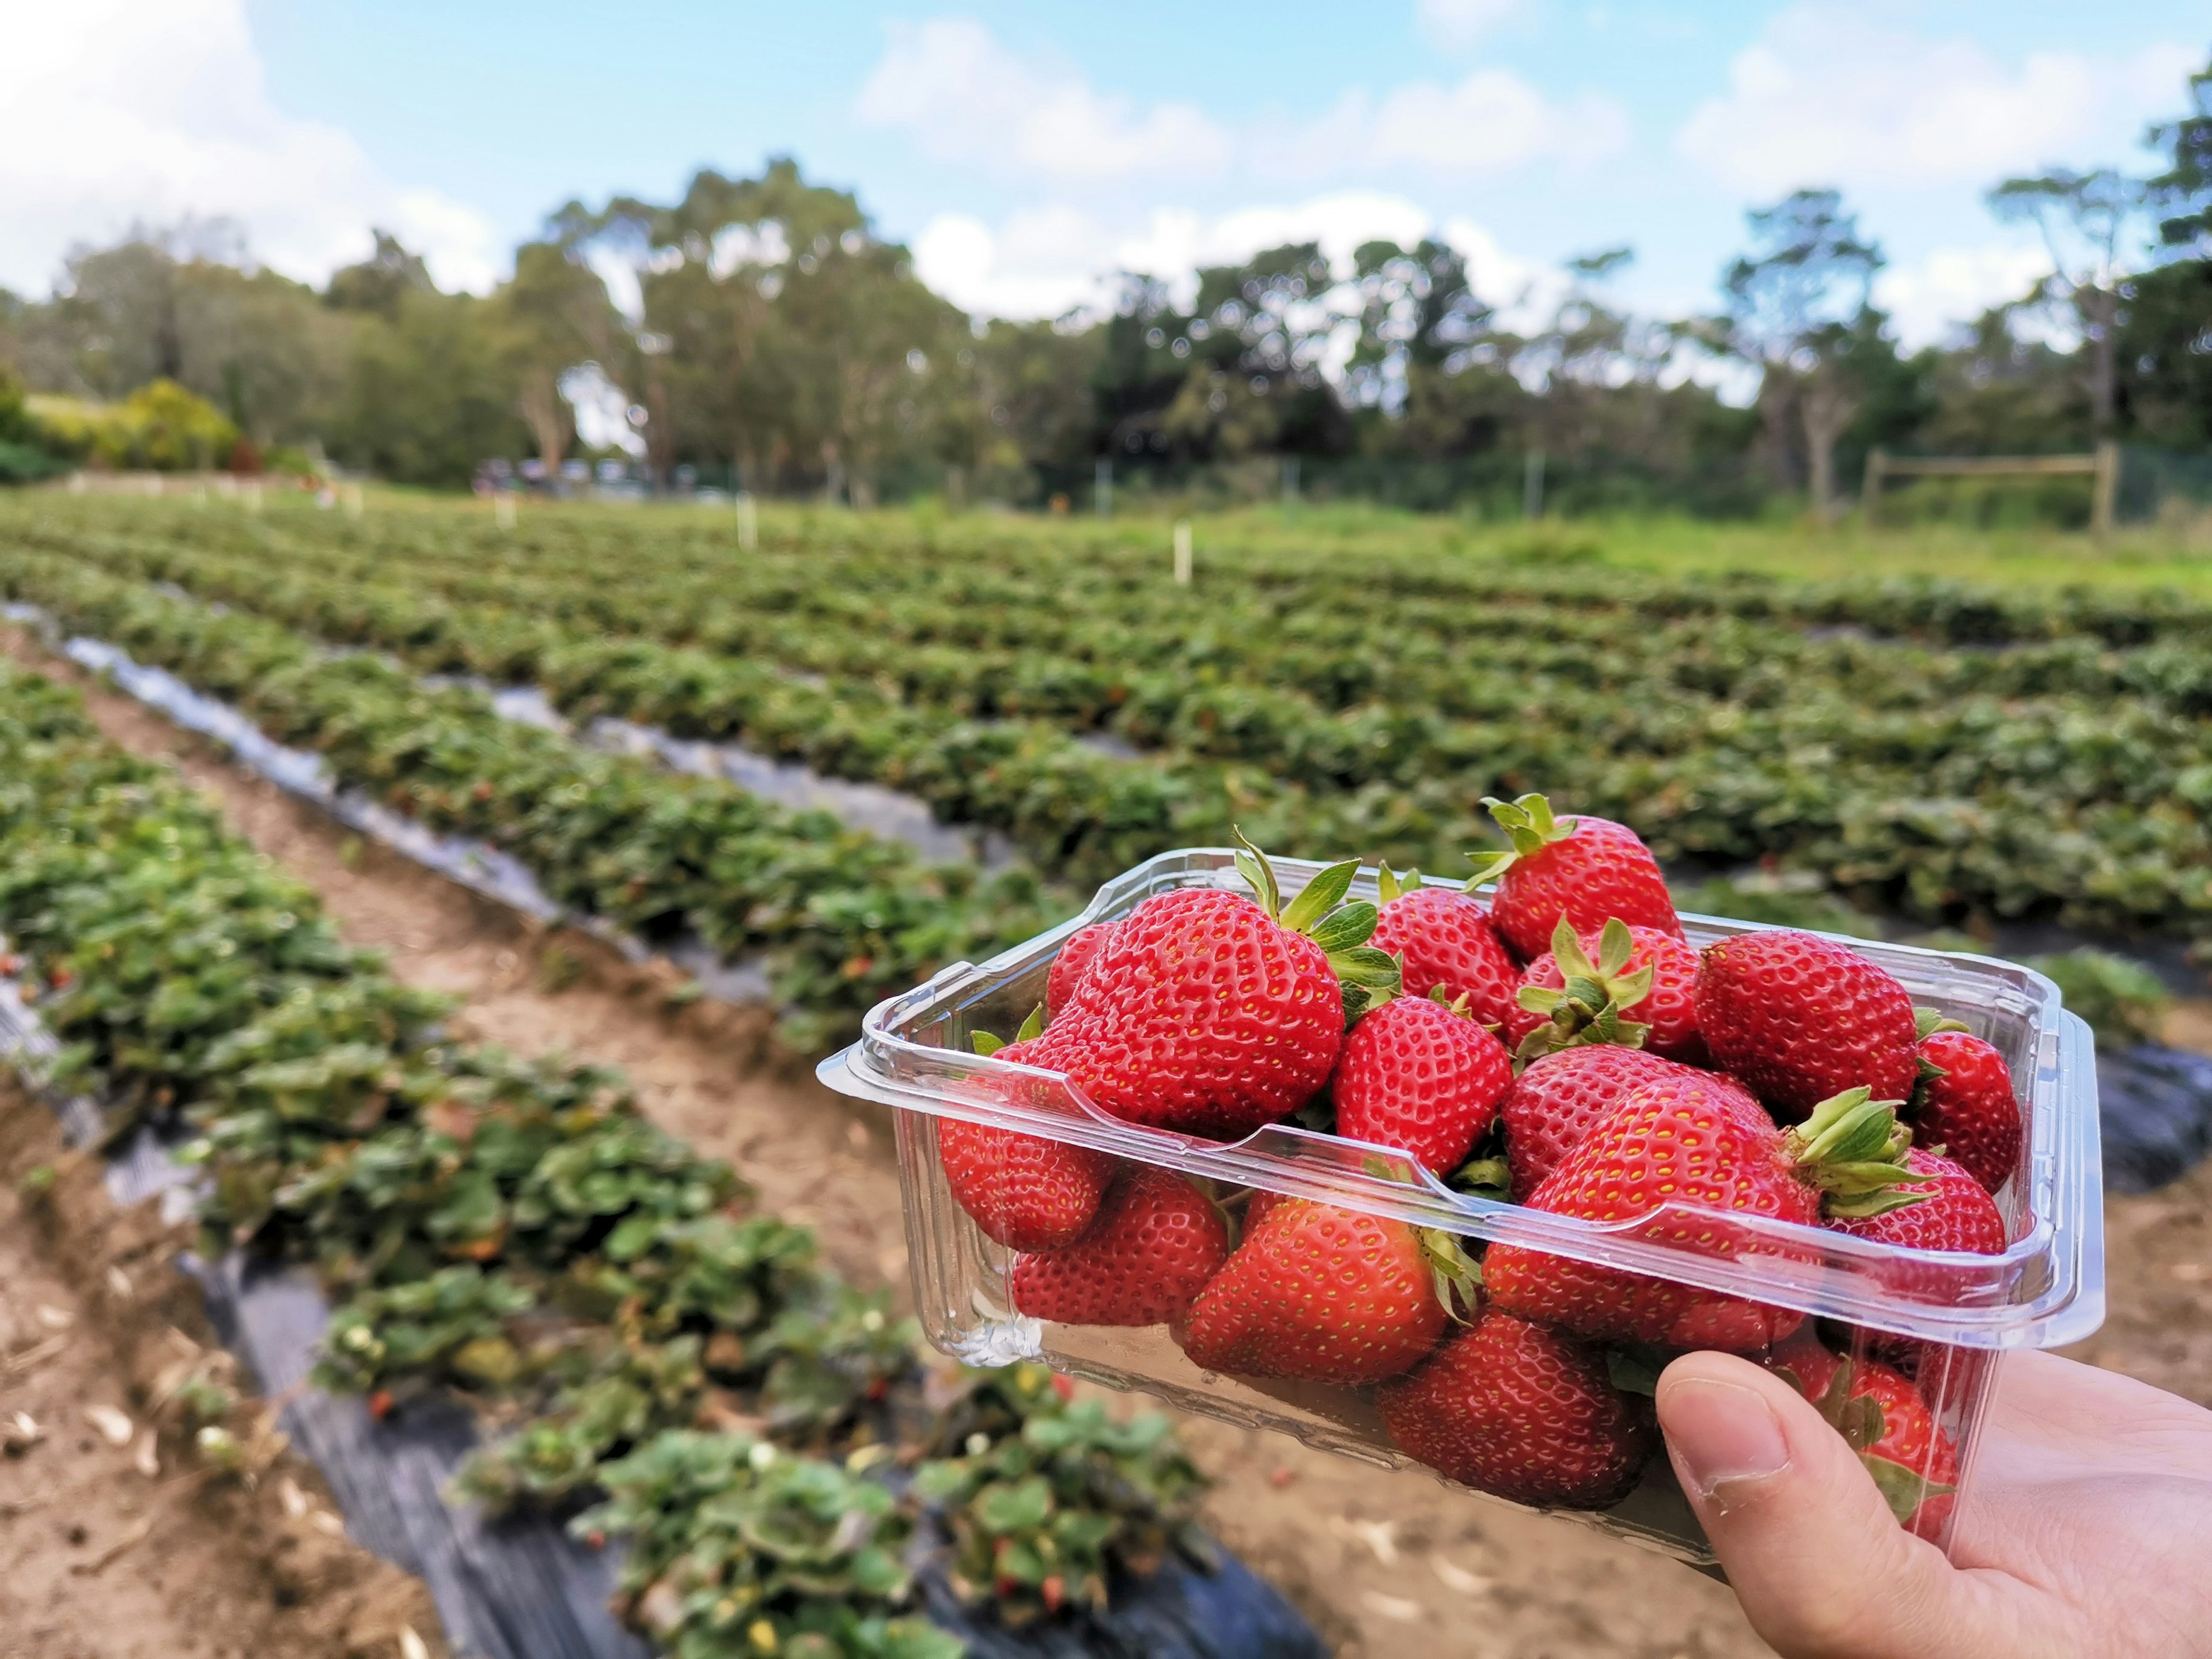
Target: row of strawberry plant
[
  {"x": 846, "y": 919},
  {"x": 1878, "y": 772},
  {"x": 1021, "y": 579},
  {"x": 518, "y": 1231},
  {"x": 987, "y": 644}
]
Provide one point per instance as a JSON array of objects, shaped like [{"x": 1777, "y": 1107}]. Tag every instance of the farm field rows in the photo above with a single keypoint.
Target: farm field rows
[
  {"x": 1377, "y": 1561},
  {"x": 1955, "y": 752},
  {"x": 518, "y": 1231},
  {"x": 963, "y": 680}
]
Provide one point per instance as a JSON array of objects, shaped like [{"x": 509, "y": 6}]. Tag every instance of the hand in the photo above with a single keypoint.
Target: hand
[{"x": 2086, "y": 1532}]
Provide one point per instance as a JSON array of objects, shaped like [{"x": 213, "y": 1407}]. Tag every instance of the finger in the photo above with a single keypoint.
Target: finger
[{"x": 1811, "y": 1548}]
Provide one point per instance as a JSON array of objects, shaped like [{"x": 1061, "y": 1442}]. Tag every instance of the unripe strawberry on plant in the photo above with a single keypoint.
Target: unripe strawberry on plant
[
  {"x": 1965, "y": 1105},
  {"x": 1560, "y": 1098},
  {"x": 1585, "y": 869},
  {"x": 1687, "y": 1152},
  {"x": 1445, "y": 941},
  {"x": 1799, "y": 1018},
  {"x": 1074, "y": 959},
  {"x": 1213, "y": 1013},
  {"x": 1027, "y": 1192},
  {"x": 1419, "y": 1075},
  {"x": 1328, "y": 1295},
  {"x": 1157, "y": 1242},
  {"x": 1623, "y": 984},
  {"x": 1523, "y": 1413},
  {"x": 1886, "y": 1422}
]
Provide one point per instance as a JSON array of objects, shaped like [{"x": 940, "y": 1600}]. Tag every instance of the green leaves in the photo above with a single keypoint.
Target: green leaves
[
  {"x": 1852, "y": 1147},
  {"x": 1041, "y": 1518},
  {"x": 1589, "y": 1008},
  {"x": 1529, "y": 828}
]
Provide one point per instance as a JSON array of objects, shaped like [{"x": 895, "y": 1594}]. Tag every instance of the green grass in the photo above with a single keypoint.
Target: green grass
[{"x": 2175, "y": 556}]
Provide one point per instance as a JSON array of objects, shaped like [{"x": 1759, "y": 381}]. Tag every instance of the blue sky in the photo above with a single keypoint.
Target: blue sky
[{"x": 1024, "y": 151}]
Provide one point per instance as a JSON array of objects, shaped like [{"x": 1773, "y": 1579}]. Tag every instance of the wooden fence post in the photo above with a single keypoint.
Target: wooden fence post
[
  {"x": 2105, "y": 494},
  {"x": 1877, "y": 471}
]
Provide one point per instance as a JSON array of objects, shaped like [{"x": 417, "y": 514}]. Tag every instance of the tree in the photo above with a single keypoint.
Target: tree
[
  {"x": 1418, "y": 314},
  {"x": 556, "y": 314},
  {"x": 2090, "y": 223},
  {"x": 2183, "y": 193},
  {"x": 380, "y": 283},
  {"x": 1799, "y": 308}
]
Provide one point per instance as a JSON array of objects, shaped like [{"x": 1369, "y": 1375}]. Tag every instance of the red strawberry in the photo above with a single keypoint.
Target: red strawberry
[
  {"x": 1446, "y": 942},
  {"x": 1953, "y": 1211},
  {"x": 1417, "y": 1075},
  {"x": 1799, "y": 1018},
  {"x": 1205, "y": 1013},
  {"x": 1326, "y": 1294},
  {"x": 1663, "y": 1002},
  {"x": 1561, "y": 1097},
  {"x": 1675, "y": 1150},
  {"x": 1585, "y": 869},
  {"x": 1886, "y": 1422},
  {"x": 1970, "y": 1110},
  {"x": 1025, "y": 1191},
  {"x": 1521, "y": 1411},
  {"x": 1157, "y": 1241},
  {"x": 1067, "y": 968}
]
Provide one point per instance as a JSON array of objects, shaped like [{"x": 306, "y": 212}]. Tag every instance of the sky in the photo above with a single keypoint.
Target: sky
[{"x": 1027, "y": 152}]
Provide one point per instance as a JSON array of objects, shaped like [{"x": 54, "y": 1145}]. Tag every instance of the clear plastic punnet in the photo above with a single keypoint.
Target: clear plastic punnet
[{"x": 1930, "y": 1323}]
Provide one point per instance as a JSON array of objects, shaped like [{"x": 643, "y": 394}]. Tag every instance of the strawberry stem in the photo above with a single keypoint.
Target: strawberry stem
[{"x": 1852, "y": 1148}]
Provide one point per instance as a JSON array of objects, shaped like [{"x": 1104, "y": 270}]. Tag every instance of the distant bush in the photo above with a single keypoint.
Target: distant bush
[
  {"x": 25, "y": 453},
  {"x": 2124, "y": 1001},
  {"x": 159, "y": 428},
  {"x": 1791, "y": 898}
]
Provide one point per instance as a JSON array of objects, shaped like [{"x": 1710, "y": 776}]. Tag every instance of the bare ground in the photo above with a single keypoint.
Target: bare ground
[
  {"x": 115, "y": 1541},
  {"x": 1381, "y": 1562}
]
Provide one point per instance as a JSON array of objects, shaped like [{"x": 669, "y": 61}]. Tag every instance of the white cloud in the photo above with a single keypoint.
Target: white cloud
[
  {"x": 968, "y": 98},
  {"x": 1932, "y": 299},
  {"x": 1827, "y": 96},
  {"x": 1455, "y": 25},
  {"x": 120, "y": 112},
  {"x": 1047, "y": 262}
]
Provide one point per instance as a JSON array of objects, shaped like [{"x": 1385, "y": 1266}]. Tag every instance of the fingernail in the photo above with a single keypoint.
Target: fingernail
[{"x": 1723, "y": 1438}]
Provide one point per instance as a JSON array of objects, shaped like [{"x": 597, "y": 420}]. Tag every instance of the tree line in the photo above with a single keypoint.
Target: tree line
[{"x": 777, "y": 342}]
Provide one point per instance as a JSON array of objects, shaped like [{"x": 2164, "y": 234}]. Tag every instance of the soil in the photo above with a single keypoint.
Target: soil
[
  {"x": 1382, "y": 1563},
  {"x": 115, "y": 1540}
]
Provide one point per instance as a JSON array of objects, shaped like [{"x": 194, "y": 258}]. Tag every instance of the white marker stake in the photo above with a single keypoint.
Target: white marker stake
[
  {"x": 748, "y": 523},
  {"x": 1183, "y": 552},
  {"x": 355, "y": 502},
  {"x": 503, "y": 509}
]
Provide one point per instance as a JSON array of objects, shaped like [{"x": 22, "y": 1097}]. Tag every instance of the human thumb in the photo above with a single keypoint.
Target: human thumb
[{"x": 1812, "y": 1550}]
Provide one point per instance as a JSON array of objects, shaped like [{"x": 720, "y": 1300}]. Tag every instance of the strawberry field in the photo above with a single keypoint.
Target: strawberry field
[{"x": 662, "y": 1361}]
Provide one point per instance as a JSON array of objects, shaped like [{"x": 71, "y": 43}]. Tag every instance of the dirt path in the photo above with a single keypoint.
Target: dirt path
[
  {"x": 1382, "y": 1563},
  {"x": 112, "y": 1544}
]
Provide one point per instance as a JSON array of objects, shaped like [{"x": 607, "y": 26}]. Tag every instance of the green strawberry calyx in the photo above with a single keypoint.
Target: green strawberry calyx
[
  {"x": 1370, "y": 977},
  {"x": 1589, "y": 1008},
  {"x": 1852, "y": 1148},
  {"x": 1457, "y": 1275},
  {"x": 1392, "y": 886},
  {"x": 1863, "y": 1425},
  {"x": 987, "y": 1044},
  {"x": 1528, "y": 826},
  {"x": 1926, "y": 1023}
]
